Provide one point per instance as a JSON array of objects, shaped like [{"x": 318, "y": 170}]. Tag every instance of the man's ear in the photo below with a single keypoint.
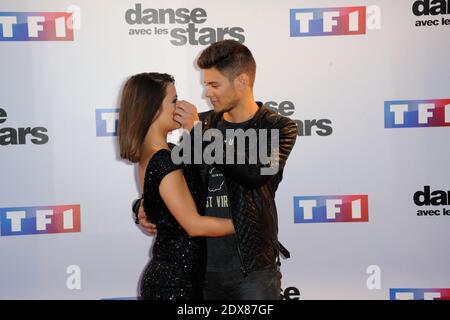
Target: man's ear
[{"x": 242, "y": 81}]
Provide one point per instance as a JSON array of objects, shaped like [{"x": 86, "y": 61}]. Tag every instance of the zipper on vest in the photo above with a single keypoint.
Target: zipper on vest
[{"x": 243, "y": 268}]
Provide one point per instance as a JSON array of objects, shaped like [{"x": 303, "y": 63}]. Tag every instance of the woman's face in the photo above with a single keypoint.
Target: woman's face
[{"x": 166, "y": 114}]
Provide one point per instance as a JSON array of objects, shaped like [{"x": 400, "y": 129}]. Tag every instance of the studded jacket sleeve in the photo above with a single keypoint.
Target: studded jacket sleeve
[{"x": 253, "y": 176}]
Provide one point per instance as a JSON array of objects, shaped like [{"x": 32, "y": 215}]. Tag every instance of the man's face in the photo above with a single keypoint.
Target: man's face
[{"x": 220, "y": 90}]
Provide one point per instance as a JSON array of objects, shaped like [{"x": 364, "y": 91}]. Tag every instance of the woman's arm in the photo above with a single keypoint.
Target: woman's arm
[{"x": 178, "y": 199}]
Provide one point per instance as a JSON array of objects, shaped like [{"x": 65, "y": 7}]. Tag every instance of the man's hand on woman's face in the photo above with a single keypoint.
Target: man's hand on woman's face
[{"x": 185, "y": 114}]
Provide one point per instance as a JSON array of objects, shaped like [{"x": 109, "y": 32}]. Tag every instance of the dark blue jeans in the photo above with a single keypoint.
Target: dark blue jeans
[{"x": 263, "y": 284}]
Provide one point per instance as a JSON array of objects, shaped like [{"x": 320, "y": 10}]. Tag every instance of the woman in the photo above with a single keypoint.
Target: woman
[{"x": 170, "y": 192}]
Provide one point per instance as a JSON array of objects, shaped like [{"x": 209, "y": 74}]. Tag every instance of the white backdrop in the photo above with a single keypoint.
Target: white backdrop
[{"x": 66, "y": 92}]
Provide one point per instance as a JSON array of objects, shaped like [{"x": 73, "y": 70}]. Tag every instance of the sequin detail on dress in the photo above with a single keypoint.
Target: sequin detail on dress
[{"x": 176, "y": 269}]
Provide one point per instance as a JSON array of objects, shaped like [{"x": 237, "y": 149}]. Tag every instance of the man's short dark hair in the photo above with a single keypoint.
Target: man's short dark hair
[{"x": 229, "y": 57}]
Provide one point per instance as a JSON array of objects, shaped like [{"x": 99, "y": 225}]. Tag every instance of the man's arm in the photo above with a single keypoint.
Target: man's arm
[
  {"x": 141, "y": 219},
  {"x": 249, "y": 175}
]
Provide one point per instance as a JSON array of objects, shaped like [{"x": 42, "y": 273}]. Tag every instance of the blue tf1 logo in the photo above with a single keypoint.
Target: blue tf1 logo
[
  {"x": 107, "y": 121},
  {"x": 316, "y": 209},
  {"x": 36, "y": 26},
  {"x": 417, "y": 113},
  {"x": 328, "y": 21},
  {"x": 419, "y": 294},
  {"x": 334, "y": 21},
  {"x": 40, "y": 220}
]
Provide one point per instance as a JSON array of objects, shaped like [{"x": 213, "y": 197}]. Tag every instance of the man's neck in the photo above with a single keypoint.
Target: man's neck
[{"x": 244, "y": 111}]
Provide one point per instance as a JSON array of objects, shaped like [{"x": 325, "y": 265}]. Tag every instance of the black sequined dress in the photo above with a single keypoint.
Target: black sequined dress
[{"x": 177, "y": 267}]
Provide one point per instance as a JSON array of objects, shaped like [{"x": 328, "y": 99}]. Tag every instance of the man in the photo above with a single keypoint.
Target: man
[{"x": 244, "y": 266}]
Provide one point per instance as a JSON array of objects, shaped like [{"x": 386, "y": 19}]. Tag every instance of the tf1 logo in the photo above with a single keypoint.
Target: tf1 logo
[
  {"x": 107, "y": 121},
  {"x": 417, "y": 113},
  {"x": 36, "y": 26},
  {"x": 419, "y": 294},
  {"x": 316, "y": 209},
  {"x": 39, "y": 220},
  {"x": 334, "y": 21}
]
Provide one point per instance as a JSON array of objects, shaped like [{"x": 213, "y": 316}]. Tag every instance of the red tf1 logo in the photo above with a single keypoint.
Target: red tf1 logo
[
  {"x": 316, "y": 209},
  {"x": 39, "y": 220},
  {"x": 36, "y": 26},
  {"x": 417, "y": 113},
  {"x": 419, "y": 294},
  {"x": 343, "y": 21}
]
